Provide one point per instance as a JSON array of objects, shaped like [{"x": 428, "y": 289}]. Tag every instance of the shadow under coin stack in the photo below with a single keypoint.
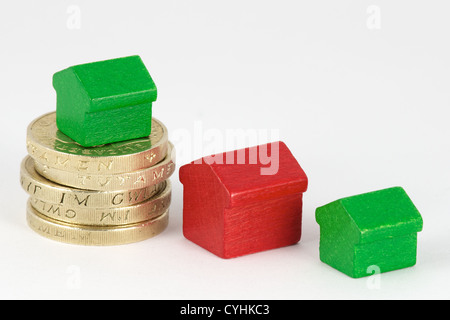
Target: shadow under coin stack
[{"x": 112, "y": 194}]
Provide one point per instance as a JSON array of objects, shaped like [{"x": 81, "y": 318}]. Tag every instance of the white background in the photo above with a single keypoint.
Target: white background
[{"x": 358, "y": 90}]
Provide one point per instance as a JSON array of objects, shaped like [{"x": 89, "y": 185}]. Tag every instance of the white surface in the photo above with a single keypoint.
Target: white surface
[{"x": 362, "y": 103}]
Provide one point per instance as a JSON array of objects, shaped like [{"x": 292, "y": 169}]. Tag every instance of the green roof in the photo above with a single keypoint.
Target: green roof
[
  {"x": 110, "y": 83},
  {"x": 379, "y": 214}
]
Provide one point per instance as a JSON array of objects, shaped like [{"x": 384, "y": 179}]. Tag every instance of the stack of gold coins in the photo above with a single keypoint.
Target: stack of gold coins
[{"x": 106, "y": 195}]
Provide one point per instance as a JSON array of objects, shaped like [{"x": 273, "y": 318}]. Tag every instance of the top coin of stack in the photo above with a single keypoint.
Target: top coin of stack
[{"x": 108, "y": 194}]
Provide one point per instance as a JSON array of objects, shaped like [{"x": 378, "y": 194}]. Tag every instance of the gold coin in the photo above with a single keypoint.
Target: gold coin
[
  {"x": 108, "y": 182},
  {"x": 43, "y": 189},
  {"x": 95, "y": 236},
  {"x": 143, "y": 211},
  {"x": 51, "y": 147}
]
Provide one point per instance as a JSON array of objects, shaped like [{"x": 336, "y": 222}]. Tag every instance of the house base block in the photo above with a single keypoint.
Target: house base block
[{"x": 375, "y": 257}]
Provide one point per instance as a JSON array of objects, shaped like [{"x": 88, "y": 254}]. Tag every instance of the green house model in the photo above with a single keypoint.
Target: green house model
[
  {"x": 105, "y": 101},
  {"x": 372, "y": 231}
]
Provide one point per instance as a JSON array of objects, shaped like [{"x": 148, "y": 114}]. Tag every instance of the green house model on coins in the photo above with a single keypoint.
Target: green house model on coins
[
  {"x": 375, "y": 231},
  {"x": 105, "y": 101}
]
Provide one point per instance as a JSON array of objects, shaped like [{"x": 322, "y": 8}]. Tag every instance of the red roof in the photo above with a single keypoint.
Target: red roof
[{"x": 256, "y": 173}]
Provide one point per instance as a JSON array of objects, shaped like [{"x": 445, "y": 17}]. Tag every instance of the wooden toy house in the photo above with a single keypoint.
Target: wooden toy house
[
  {"x": 372, "y": 231},
  {"x": 242, "y": 202},
  {"x": 105, "y": 101}
]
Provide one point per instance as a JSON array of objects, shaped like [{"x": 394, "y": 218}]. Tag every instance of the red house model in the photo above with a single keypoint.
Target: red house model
[{"x": 243, "y": 201}]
